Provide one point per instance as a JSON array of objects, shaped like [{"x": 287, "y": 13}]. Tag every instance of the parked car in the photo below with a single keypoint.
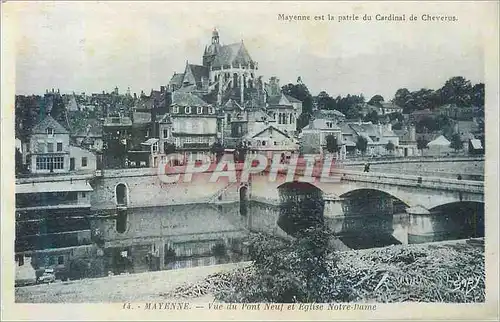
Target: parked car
[{"x": 48, "y": 276}]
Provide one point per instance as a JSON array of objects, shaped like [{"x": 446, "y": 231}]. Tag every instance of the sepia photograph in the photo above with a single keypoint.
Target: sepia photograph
[{"x": 251, "y": 157}]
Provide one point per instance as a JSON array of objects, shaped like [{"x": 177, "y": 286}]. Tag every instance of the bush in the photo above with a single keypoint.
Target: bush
[{"x": 287, "y": 271}]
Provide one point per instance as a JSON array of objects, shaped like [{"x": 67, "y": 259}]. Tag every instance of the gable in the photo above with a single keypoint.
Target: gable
[
  {"x": 270, "y": 130},
  {"x": 49, "y": 122},
  {"x": 284, "y": 101}
]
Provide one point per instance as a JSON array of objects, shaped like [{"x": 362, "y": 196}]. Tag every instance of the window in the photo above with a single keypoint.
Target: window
[
  {"x": 59, "y": 146},
  {"x": 211, "y": 110},
  {"x": 175, "y": 109},
  {"x": 199, "y": 110},
  {"x": 50, "y": 131},
  {"x": 50, "y": 147},
  {"x": 84, "y": 162},
  {"x": 49, "y": 163},
  {"x": 188, "y": 109},
  {"x": 155, "y": 147},
  {"x": 165, "y": 134},
  {"x": 84, "y": 195},
  {"x": 60, "y": 260},
  {"x": 228, "y": 118}
]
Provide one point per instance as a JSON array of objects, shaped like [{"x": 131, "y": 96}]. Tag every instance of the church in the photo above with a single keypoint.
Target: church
[{"x": 228, "y": 81}]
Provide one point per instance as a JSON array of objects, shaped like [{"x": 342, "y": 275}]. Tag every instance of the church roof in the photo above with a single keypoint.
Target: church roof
[
  {"x": 194, "y": 73},
  {"x": 49, "y": 122},
  {"x": 177, "y": 79},
  {"x": 235, "y": 54}
]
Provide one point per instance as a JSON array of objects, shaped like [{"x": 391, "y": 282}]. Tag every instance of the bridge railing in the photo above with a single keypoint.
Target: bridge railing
[{"x": 414, "y": 181}]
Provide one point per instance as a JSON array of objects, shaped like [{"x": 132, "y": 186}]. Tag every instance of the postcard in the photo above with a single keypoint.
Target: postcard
[{"x": 249, "y": 160}]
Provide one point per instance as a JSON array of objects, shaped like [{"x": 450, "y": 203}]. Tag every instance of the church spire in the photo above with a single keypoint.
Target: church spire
[{"x": 215, "y": 36}]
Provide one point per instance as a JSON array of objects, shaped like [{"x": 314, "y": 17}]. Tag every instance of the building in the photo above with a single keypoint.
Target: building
[
  {"x": 49, "y": 148},
  {"x": 389, "y": 107},
  {"x": 283, "y": 108},
  {"x": 407, "y": 141},
  {"x": 377, "y": 136},
  {"x": 271, "y": 140},
  {"x": 314, "y": 136},
  {"x": 193, "y": 123},
  {"x": 117, "y": 141}
]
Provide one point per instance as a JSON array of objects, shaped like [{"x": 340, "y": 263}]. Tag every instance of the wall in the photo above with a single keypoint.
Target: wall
[
  {"x": 78, "y": 153},
  {"x": 145, "y": 189}
]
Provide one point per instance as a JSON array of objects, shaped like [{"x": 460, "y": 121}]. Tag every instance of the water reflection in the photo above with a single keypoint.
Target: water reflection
[{"x": 164, "y": 238}]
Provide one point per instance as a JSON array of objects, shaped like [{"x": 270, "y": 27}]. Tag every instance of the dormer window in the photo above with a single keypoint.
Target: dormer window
[
  {"x": 175, "y": 110},
  {"x": 199, "y": 110},
  {"x": 188, "y": 110},
  {"x": 211, "y": 110},
  {"x": 50, "y": 131}
]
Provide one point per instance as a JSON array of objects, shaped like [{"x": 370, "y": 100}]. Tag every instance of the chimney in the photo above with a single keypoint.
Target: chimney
[
  {"x": 135, "y": 95},
  {"x": 162, "y": 89}
]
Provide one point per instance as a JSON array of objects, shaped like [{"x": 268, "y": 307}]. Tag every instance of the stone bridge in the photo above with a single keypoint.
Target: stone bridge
[{"x": 413, "y": 191}]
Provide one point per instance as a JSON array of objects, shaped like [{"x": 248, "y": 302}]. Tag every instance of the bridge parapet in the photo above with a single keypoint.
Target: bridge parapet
[{"x": 413, "y": 181}]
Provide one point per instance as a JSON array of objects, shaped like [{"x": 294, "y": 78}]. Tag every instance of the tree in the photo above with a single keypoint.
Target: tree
[
  {"x": 401, "y": 97},
  {"x": 422, "y": 144},
  {"x": 456, "y": 142},
  {"x": 478, "y": 95},
  {"x": 376, "y": 100},
  {"x": 217, "y": 149},
  {"x": 332, "y": 144},
  {"x": 371, "y": 117},
  {"x": 457, "y": 90},
  {"x": 361, "y": 144},
  {"x": 390, "y": 147}
]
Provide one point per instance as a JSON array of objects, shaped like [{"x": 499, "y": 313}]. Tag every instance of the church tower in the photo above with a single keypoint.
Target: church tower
[{"x": 212, "y": 50}]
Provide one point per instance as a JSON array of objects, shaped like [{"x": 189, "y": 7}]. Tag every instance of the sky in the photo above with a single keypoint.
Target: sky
[{"x": 95, "y": 46}]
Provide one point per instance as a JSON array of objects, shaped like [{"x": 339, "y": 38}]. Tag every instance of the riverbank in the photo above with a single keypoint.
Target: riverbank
[{"x": 406, "y": 278}]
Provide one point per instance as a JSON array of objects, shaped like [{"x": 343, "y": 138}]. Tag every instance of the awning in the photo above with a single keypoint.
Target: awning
[
  {"x": 60, "y": 186},
  {"x": 150, "y": 141}
]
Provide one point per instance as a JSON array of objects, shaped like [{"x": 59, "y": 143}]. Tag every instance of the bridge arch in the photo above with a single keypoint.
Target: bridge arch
[
  {"x": 301, "y": 207},
  {"x": 369, "y": 192}
]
